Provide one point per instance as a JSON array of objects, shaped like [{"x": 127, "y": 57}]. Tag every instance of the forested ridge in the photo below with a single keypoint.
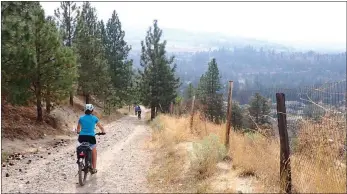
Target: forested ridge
[{"x": 253, "y": 68}]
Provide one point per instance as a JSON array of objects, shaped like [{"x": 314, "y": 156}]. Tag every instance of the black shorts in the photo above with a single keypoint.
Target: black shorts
[{"x": 87, "y": 138}]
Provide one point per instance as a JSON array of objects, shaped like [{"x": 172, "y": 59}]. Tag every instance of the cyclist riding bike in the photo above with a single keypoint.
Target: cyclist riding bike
[
  {"x": 86, "y": 130},
  {"x": 138, "y": 109}
]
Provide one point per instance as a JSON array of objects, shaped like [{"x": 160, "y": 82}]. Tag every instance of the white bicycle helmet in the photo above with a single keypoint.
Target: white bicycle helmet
[{"x": 89, "y": 107}]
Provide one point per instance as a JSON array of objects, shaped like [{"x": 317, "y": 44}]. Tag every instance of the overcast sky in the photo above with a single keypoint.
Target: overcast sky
[{"x": 282, "y": 22}]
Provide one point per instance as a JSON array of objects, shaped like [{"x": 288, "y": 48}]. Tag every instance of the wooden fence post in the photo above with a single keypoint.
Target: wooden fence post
[
  {"x": 180, "y": 108},
  {"x": 192, "y": 115},
  {"x": 285, "y": 170},
  {"x": 229, "y": 113},
  {"x": 171, "y": 108}
]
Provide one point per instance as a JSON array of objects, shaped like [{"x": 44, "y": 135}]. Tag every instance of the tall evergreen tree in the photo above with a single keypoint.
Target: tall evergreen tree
[
  {"x": 43, "y": 65},
  {"x": 50, "y": 66},
  {"x": 159, "y": 84},
  {"x": 17, "y": 22},
  {"x": 117, "y": 51},
  {"x": 66, "y": 16},
  {"x": 93, "y": 71},
  {"x": 259, "y": 109},
  {"x": 209, "y": 95}
]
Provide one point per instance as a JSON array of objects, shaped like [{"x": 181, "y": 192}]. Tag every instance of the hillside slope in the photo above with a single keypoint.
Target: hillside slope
[{"x": 22, "y": 134}]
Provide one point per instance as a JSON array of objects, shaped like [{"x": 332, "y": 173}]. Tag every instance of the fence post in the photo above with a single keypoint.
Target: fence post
[
  {"x": 171, "y": 108},
  {"x": 285, "y": 170},
  {"x": 192, "y": 115},
  {"x": 229, "y": 113},
  {"x": 180, "y": 108}
]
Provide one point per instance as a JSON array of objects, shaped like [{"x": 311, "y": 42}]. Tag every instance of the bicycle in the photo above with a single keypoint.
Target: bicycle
[
  {"x": 84, "y": 160},
  {"x": 139, "y": 115}
]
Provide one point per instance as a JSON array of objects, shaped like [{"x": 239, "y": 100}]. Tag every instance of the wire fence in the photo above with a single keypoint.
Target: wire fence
[
  {"x": 316, "y": 109},
  {"x": 315, "y": 120}
]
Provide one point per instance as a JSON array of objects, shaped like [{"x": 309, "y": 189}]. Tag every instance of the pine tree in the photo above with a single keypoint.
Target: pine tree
[
  {"x": 93, "y": 71},
  {"x": 60, "y": 76},
  {"x": 52, "y": 72},
  {"x": 158, "y": 81},
  {"x": 43, "y": 65},
  {"x": 201, "y": 90},
  {"x": 67, "y": 16},
  {"x": 108, "y": 92},
  {"x": 190, "y": 92},
  {"x": 259, "y": 109},
  {"x": 117, "y": 51},
  {"x": 17, "y": 23},
  {"x": 236, "y": 116},
  {"x": 209, "y": 97}
]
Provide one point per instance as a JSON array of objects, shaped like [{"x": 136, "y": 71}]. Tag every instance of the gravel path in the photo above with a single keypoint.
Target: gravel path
[{"x": 122, "y": 165}]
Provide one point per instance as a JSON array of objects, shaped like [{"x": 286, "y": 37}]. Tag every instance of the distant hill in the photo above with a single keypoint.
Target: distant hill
[
  {"x": 187, "y": 41},
  {"x": 251, "y": 63}
]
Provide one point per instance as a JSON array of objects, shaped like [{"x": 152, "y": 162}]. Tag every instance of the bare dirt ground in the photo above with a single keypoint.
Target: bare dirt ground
[{"x": 122, "y": 164}]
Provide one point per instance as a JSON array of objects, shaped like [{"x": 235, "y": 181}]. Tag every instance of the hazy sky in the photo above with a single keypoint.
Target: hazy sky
[{"x": 285, "y": 22}]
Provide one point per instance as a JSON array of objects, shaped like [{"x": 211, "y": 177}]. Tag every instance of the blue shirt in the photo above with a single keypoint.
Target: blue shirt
[
  {"x": 137, "y": 108},
  {"x": 88, "y": 123}
]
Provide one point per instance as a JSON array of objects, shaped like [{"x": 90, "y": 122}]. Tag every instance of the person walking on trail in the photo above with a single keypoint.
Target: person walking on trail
[{"x": 86, "y": 130}]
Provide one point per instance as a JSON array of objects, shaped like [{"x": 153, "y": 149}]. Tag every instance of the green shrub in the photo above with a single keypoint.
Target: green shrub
[{"x": 205, "y": 155}]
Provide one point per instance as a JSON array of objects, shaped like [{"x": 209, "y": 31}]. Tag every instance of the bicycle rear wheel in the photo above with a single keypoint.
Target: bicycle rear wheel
[{"x": 82, "y": 171}]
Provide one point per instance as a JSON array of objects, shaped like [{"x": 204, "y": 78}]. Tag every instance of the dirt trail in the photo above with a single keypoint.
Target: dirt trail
[{"x": 122, "y": 165}]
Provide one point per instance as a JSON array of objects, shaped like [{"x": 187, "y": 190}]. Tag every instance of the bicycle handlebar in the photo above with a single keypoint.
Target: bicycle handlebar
[{"x": 99, "y": 133}]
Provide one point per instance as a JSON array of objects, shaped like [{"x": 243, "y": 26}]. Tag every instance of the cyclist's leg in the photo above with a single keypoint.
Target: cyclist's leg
[{"x": 94, "y": 155}]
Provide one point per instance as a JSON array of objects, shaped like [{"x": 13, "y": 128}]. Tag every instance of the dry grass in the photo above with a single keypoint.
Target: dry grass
[
  {"x": 314, "y": 161},
  {"x": 169, "y": 162},
  {"x": 318, "y": 163},
  {"x": 169, "y": 132},
  {"x": 183, "y": 161}
]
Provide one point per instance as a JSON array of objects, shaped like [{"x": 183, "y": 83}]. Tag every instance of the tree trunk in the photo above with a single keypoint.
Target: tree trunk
[
  {"x": 71, "y": 98},
  {"x": 38, "y": 85},
  {"x": 104, "y": 105},
  {"x": 109, "y": 108},
  {"x": 48, "y": 101},
  {"x": 152, "y": 111},
  {"x": 69, "y": 45},
  {"x": 87, "y": 96},
  {"x": 39, "y": 102},
  {"x": 39, "y": 109}
]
